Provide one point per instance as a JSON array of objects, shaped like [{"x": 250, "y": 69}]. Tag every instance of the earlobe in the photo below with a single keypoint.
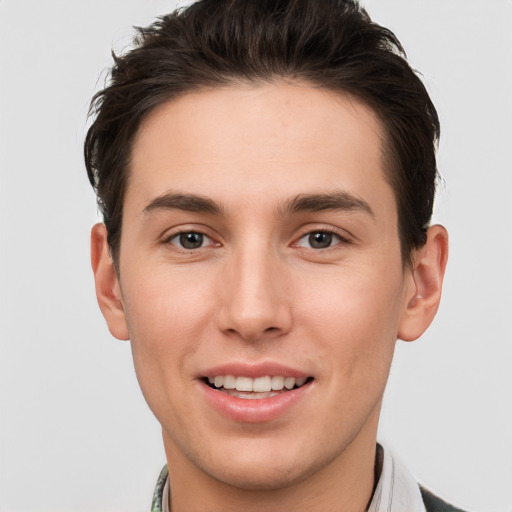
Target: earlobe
[
  {"x": 426, "y": 281},
  {"x": 108, "y": 291}
]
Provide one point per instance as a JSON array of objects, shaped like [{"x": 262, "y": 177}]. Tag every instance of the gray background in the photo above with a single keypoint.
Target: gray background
[{"x": 75, "y": 433}]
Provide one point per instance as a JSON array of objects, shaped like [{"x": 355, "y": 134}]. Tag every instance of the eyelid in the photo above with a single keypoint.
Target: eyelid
[
  {"x": 342, "y": 235},
  {"x": 336, "y": 240},
  {"x": 171, "y": 234}
]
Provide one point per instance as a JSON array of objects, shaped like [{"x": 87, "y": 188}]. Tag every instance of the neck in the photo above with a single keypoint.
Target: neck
[{"x": 344, "y": 483}]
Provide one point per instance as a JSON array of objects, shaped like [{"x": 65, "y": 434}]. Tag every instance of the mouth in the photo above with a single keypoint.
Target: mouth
[{"x": 255, "y": 388}]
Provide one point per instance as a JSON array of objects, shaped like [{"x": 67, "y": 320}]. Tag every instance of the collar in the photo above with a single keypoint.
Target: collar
[
  {"x": 396, "y": 489},
  {"x": 161, "y": 491}
]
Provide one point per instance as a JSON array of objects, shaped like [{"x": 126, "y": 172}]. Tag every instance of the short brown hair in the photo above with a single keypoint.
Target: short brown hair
[{"x": 329, "y": 43}]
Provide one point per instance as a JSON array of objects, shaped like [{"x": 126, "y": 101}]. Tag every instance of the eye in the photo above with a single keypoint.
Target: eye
[
  {"x": 190, "y": 240},
  {"x": 319, "y": 240}
]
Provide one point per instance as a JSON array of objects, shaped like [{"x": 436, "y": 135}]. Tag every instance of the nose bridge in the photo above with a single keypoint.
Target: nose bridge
[{"x": 254, "y": 300}]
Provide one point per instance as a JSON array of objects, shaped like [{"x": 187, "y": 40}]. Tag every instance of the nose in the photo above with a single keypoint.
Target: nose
[{"x": 254, "y": 300}]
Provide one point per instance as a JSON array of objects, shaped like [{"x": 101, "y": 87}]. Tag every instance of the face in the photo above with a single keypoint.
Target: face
[{"x": 260, "y": 252}]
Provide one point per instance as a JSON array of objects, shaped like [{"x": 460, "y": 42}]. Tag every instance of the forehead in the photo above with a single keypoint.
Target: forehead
[{"x": 251, "y": 142}]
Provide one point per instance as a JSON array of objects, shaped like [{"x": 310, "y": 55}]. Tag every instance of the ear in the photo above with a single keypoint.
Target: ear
[
  {"x": 108, "y": 290},
  {"x": 423, "y": 292}
]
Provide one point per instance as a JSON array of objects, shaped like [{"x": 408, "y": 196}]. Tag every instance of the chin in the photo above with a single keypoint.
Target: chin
[
  {"x": 256, "y": 478},
  {"x": 268, "y": 468}
]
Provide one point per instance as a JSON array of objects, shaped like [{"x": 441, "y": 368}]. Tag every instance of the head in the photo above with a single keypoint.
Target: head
[
  {"x": 266, "y": 171},
  {"x": 331, "y": 44}
]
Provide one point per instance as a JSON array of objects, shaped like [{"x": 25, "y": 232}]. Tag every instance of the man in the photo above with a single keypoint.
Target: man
[{"x": 266, "y": 171}]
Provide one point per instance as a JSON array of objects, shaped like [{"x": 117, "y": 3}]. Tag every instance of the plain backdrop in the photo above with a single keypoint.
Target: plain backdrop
[{"x": 75, "y": 432}]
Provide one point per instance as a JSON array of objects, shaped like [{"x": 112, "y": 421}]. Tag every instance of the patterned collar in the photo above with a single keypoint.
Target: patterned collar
[
  {"x": 396, "y": 489},
  {"x": 158, "y": 505}
]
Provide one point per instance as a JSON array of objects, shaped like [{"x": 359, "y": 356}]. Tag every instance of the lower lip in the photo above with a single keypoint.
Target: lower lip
[{"x": 254, "y": 410}]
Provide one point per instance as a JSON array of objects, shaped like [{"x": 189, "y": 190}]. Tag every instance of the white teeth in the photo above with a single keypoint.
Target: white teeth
[
  {"x": 300, "y": 382},
  {"x": 277, "y": 383},
  {"x": 229, "y": 382},
  {"x": 243, "y": 384},
  {"x": 257, "y": 385},
  {"x": 262, "y": 384},
  {"x": 289, "y": 382}
]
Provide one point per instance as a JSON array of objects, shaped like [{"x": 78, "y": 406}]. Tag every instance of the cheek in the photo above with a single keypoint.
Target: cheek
[
  {"x": 354, "y": 317},
  {"x": 160, "y": 303},
  {"x": 165, "y": 321}
]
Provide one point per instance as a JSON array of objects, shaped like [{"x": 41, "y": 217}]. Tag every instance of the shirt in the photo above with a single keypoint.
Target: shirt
[{"x": 396, "y": 490}]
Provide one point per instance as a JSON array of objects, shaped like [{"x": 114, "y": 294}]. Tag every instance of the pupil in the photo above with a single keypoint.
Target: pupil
[
  {"x": 320, "y": 240},
  {"x": 191, "y": 240}
]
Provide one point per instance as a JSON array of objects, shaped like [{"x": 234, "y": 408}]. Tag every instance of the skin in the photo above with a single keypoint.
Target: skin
[{"x": 257, "y": 291}]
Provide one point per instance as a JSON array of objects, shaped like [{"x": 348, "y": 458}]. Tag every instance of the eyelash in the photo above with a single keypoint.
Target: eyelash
[
  {"x": 340, "y": 240},
  {"x": 180, "y": 234},
  {"x": 332, "y": 234}
]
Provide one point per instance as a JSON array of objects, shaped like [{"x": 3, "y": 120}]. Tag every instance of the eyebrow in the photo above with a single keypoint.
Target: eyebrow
[
  {"x": 337, "y": 201},
  {"x": 186, "y": 202},
  {"x": 340, "y": 201}
]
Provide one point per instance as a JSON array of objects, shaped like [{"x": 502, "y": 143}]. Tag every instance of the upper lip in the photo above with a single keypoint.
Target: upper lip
[{"x": 264, "y": 369}]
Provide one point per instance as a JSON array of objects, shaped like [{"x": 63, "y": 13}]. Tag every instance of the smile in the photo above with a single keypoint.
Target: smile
[
  {"x": 257, "y": 388},
  {"x": 256, "y": 393}
]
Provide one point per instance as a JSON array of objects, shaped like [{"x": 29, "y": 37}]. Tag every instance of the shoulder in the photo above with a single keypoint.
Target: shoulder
[{"x": 435, "y": 504}]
